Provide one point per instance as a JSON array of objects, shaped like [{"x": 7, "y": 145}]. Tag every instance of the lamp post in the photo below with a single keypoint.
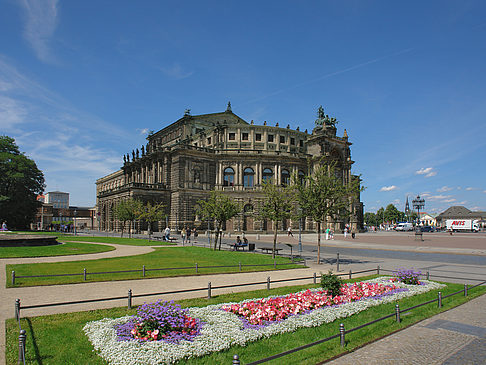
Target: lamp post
[
  {"x": 300, "y": 230},
  {"x": 75, "y": 213},
  {"x": 418, "y": 203}
]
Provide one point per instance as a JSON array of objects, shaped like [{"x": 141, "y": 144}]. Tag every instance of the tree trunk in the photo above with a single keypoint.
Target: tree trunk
[
  {"x": 318, "y": 242},
  {"x": 275, "y": 227},
  {"x": 220, "y": 235},
  {"x": 149, "y": 230}
]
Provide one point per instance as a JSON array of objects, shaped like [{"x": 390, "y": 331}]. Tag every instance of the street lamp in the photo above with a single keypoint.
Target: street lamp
[
  {"x": 418, "y": 203},
  {"x": 300, "y": 230},
  {"x": 75, "y": 213}
]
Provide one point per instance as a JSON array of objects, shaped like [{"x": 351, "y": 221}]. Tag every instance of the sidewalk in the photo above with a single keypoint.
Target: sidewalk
[
  {"x": 455, "y": 337},
  {"x": 455, "y": 331}
]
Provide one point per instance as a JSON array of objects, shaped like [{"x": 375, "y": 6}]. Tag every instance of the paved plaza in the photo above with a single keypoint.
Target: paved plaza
[{"x": 457, "y": 336}]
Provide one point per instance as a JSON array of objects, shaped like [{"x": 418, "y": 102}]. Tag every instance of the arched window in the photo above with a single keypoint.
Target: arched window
[
  {"x": 301, "y": 177},
  {"x": 285, "y": 177},
  {"x": 267, "y": 175},
  {"x": 248, "y": 177},
  {"x": 197, "y": 176},
  {"x": 229, "y": 177}
]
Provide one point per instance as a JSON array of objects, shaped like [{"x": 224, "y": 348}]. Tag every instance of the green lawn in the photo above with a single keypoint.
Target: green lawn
[
  {"x": 59, "y": 339},
  {"x": 169, "y": 257},
  {"x": 69, "y": 248},
  {"x": 102, "y": 239}
]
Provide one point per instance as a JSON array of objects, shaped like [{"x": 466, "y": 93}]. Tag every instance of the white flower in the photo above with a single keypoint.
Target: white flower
[{"x": 224, "y": 329}]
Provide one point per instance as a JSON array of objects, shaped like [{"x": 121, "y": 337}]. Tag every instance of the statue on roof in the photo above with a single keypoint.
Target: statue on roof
[
  {"x": 133, "y": 155},
  {"x": 143, "y": 150},
  {"x": 228, "y": 108},
  {"x": 124, "y": 159},
  {"x": 137, "y": 153},
  {"x": 320, "y": 121},
  {"x": 187, "y": 112}
]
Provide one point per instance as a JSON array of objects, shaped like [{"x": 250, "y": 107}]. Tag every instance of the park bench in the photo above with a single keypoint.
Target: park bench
[{"x": 269, "y": 250}]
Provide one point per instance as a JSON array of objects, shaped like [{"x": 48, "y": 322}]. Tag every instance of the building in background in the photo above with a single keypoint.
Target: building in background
[
  {"x": 183, "y": 162},
  {"x": 58, "y": 199},
  {"x": 460, "y": 212}
]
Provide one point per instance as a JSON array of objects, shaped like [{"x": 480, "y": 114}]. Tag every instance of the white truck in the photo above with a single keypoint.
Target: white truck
[{"x": 471, "y": 225}]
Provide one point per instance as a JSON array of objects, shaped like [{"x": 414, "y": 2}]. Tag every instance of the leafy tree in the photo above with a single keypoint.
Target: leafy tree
[
  {"x": 323, "y": 195},
  {"x": 219, "y": 208},
  {"x": 152, "y": 213},
  {"x": 128, "y": 211},
  {"x": 277, "y": 206},
  {"x": 380, "y": 216},
  {"x": 392, "y": 214},
  {"x": 20, "y": 183},
  {"x": 371, "y": 219}
]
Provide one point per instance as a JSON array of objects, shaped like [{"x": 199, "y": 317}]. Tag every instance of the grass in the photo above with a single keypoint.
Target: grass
[
  {"x": 69, "y": 248},
  {"x": 59, "y": 339},
  {"x": 173, "y": 257},
  {"x": 102, "y": 239}
]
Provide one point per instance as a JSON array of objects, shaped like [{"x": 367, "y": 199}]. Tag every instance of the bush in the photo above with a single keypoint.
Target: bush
[{"x": 331, "y": 283}]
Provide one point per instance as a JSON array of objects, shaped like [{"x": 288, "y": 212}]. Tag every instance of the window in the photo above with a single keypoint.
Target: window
[
  {"x": 229, "y": 177},
  {"x": 267, "y": 175},
  {"x": 301, "y": 143},
  {"x": 270, "y": 138},
  {"x": 209, "y": 140},
  {"x": 248, "y": 177},
  {"x": 258, "y": 137},
  {"x": 244, "y": 136},
  {"x": 282, "y": 139},
  {"x": 197, "y": 176},
  {"x": 285, "y": 177},
  {"x": 292, "y": 141},
  {"x": 301, "y": 177},
  {"x": 231, "y": 136}
]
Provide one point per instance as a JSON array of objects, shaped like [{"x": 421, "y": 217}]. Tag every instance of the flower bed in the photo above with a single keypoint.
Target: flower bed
[{"x": 223, "y": 329}]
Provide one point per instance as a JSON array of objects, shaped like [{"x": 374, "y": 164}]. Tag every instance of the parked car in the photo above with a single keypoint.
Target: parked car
[
  {"x": 404, "y": 227},
  {"x": 427, "y": 229}
]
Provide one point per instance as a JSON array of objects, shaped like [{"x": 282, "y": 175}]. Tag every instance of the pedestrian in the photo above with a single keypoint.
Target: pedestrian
[
  {"x": 188, "y": 235},
  {"x": 167, "y": 233},
  {"x": 4, "y": 226},
  {"x": 195, "y": 234},
  {"x": 345, "y": 232},
  {"x": 289, "y": 232},
  {"x": 331, "y": 234},
  {"x": 183, "y": 235}
]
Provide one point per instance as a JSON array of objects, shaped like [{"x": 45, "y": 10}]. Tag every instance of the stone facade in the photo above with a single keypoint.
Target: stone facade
[{"x": 186, "y": 160}]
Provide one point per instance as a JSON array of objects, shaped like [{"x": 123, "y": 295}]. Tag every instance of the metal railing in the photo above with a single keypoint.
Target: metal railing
[
  {"x": 144, "y": 270},
  {"x": 342, "y": 332}
]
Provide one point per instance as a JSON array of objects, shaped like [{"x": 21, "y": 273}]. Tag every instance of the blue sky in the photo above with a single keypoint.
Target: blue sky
[{"x": 82, "y": 82}]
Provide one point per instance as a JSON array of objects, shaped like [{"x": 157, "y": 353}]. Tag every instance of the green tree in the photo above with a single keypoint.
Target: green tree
[
  {"x": 219, "y": 208},
  {"x": 128, "y": 211},
  {"x": 380, "y": 216},
  {"x": 323, "y": 195},
  {"x": 371, "y": 219},
  {"x": 278, "y": 205},
  {"x": 152, "y": 213},
  {"x": 20, "y": 184},
  {"x": 392, "y": 214}
]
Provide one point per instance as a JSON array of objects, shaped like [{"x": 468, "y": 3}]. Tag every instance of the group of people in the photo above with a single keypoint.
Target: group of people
[
  {"x": 240, "y": 243},
  {"x": 186, "y": 234}
]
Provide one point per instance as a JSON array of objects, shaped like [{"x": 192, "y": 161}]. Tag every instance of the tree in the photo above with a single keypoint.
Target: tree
[
  {"x": 152, "y": 213},
  {"x": 219, "y": 208},
  {"x": 392, "y": 214},
  {"x": 323, "y": 195},
  {"x": 370, "y": 219},
  {"x": 20, "y": 184},
  {"x": 277, "y": 206},
  {"x": 128, "y": 211}
]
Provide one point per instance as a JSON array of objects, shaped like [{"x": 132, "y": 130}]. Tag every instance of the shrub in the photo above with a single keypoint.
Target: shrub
[{"x": 331, "y": 283}]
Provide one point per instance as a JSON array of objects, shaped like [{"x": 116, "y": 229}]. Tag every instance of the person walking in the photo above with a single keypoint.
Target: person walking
[
  {"x": 167, "y": 233},
  {"x": 188, "y": 235},
  {"x": 289, "y": 232},
  {"x": 183, "y": 235},
  {"x": 345, "y": 232}
]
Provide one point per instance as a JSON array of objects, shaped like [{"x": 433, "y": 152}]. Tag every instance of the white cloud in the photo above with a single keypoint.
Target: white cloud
[
  {"x": 12, "y": 113},
  {"x": 440, "y": 197},
  {"x": 176, "y": 71},
  {"x": 41, "y": 18},
  {"x": 444, "y": 189},
  {"x": 389, "y": 188},
  {"x": 427, "y": 171},
  {"x": 449, "y": 200},
  {"x": 470, "y": 188},
  {"x": 143, "y": 131}
]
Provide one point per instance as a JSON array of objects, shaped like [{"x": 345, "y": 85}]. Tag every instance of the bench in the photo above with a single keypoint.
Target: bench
[
  {"x": 236, "y": 247},
  {"x": 162, "y": 238},
  {"x": 269, "y": 250}
]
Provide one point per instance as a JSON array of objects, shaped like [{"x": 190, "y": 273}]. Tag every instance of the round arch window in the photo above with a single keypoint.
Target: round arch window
[
  {"x": 248, "y": 177},
  {"x": 229, "y": 177}
]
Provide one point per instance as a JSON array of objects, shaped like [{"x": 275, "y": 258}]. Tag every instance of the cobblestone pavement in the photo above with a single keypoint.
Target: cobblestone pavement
[
  {"x": 455, "y": 337},
  {"x": 458, "y": 339}
]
